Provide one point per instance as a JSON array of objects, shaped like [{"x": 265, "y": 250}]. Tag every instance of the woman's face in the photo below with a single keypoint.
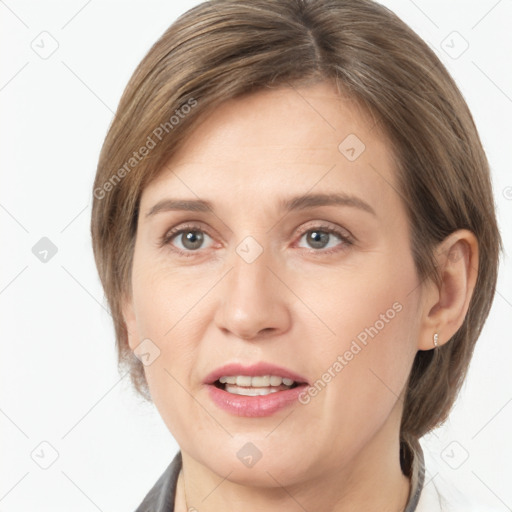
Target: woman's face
[{"x": 324, "y": 288}]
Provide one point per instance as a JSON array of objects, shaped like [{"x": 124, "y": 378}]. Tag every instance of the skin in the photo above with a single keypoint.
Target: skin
[{"x": 296, "y": 305}]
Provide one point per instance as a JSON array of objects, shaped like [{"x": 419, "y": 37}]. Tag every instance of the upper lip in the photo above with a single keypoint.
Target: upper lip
[{"x": 253, "y": 370}]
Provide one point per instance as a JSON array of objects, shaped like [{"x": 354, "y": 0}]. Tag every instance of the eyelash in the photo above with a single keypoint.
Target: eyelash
[{"x": 166, "y": 239}]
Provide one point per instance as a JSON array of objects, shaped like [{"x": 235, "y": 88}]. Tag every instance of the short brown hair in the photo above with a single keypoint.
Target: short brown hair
[{"x": 225, "y": 48}]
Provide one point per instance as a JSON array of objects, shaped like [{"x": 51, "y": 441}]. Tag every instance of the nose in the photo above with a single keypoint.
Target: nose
[{"x": 253, "y": 300}]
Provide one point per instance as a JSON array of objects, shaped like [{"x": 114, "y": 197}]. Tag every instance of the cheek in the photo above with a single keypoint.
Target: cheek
[
  {"x": 169, "y": 312},
  {"x": 362, "y": 368},
  {"x": 163, "y": 297}
]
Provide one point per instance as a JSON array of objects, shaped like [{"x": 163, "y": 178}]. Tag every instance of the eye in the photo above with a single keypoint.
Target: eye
[
  {"x": 186, "y": 239},
  {"x": 324, "y": 237},
  {"x": 189, "y": 239}
]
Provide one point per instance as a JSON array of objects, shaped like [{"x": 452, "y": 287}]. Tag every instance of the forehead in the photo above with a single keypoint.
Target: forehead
[{"x": 289, "y": 139}]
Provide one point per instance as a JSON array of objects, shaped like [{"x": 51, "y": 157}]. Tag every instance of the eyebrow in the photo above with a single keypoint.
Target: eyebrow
[{"x": 302, "y": 202}]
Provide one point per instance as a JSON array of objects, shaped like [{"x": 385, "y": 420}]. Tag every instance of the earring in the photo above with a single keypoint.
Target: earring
[{"x": 436, "y": 337}]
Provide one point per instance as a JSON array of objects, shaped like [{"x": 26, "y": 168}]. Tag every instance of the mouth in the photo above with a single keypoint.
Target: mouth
[
  {"x": 261, "y": 385},
  {"x": 254, "y": 391}
]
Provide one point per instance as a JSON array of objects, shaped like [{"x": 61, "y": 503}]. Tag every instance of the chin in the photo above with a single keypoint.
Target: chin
[{"x": 253, "y": 460}]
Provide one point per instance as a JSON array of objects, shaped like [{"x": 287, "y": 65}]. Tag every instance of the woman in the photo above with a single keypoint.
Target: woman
[{"x": 294, "y": 226}]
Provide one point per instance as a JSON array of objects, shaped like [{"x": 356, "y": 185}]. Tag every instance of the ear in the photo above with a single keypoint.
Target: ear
[
  {"x": 445, "y": 306},
  {"x": 130, "y": 321}
]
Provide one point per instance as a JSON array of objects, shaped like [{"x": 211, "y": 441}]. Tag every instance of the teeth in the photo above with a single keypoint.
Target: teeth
[
  {"x": 275, "y": 381},
  {"x": 255, "y": 386},
  {"x": 227, "y": 380},
  {"x": 250, "y": 391},
  {"x": 260, "y": 381},
  {"x": 243, "y": 380}
]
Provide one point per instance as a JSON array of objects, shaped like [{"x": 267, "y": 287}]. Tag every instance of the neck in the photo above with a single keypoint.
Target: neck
[{"x": 372, "y": 481}]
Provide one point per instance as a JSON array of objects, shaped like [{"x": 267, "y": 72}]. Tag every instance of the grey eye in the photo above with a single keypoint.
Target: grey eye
[
  {"x": 319, "y": 239},
  {"x": 190, "y": 239}
]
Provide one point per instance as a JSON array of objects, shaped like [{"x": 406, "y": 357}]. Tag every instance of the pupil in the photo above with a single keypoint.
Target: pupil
[
  {"x": 318, "y": 238},
  {"x": 195, "y": 238}
]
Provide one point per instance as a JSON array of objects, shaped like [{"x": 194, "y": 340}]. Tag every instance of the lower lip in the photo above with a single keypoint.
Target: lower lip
[{"x": 254, "y": 406}]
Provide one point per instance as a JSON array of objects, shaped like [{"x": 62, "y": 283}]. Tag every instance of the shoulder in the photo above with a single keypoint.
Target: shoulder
[
  {"x": 160, "y": 497},
  {"x": 440, "y": 495}
]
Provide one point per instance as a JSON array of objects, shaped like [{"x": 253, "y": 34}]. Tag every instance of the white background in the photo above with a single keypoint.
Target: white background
[{"x": 59, "y": 382}]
